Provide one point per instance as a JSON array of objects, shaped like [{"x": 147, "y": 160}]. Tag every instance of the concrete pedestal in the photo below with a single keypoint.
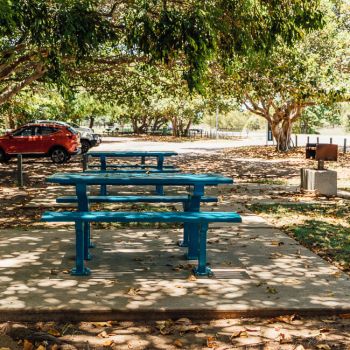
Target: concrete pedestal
[{"x": 321, "y": 181}]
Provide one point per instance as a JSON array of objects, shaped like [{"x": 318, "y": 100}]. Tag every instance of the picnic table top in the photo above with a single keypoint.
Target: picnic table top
[
  {"x": 138, "y": 179},
  {"x": 131, "y": 153}
]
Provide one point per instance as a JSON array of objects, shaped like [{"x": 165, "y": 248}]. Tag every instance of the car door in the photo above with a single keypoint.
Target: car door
[
  {"x": 49, "y": 137},
  {"x": 20, "y": 141},
  {"x": 26, "y": 141}
]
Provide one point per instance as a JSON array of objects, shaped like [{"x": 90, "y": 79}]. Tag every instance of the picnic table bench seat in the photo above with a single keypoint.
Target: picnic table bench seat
[
  {"x": 133, "y": 171},
  {"x": 135, "y": 199},
  {"x": 142, "y": 166},
  {"x": 202, "y": 219}
]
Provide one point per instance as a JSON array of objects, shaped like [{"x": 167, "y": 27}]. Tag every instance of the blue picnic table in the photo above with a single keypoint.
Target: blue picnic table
[
  {"x": 195, "y": 182},
  {"x": 133, "y": 168}
]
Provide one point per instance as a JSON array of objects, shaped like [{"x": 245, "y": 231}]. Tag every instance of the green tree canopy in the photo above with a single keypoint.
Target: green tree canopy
[{"x": 279, "y": 85}]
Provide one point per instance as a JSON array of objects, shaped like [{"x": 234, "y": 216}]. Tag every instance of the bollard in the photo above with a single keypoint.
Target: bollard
[
  {"x": 331, "y": 140},
  {"x": 19, "y": 171},
  {"x": 85, "y": 162},
  {"x": 318, "y": 140},
  {"x": 344, "y": 145},
  {"x": 296, "y": 140}
]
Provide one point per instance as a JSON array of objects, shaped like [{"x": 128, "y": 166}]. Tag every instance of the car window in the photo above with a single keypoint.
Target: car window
[
  {"x": 47, "y": 130},
  {"x": 24, "y": 132}
]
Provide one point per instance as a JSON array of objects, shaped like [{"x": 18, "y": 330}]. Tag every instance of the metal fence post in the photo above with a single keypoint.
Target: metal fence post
[{"x": 19, "y": 171}]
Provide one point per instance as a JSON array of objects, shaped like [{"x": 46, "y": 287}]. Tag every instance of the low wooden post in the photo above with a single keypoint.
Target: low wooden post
[
  {"x": 296, "y": 140},
  {"x": 331, "y": 140},
  {"x": 318, "y": 140},
  {"x": 308, "y": 139},
  {"x": 19, "y": 171},
  {"x": 344, "y": 145},
  {"x": 85, "y": 162}
]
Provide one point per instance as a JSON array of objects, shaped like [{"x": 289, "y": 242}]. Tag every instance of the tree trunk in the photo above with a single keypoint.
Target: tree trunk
[
  {"x": 175, "y": 127},
  {"x": 186, "y": 132},
  {"x": 91, "y": 122},
  {"x": 281, "y": 132}
]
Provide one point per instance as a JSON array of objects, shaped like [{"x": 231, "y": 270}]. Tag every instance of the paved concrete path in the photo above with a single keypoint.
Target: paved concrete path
[
  {"x": 195, "y": 146},
  {"x": 142, "y": 274}
]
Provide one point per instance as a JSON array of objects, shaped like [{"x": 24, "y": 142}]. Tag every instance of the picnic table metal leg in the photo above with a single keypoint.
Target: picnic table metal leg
[
  {"x": 80, "y": 269},
  {"x": 184, "y": 242},
  {"x": 191, "y": 231},
  {"x": 83, "y": 205},
  {"x": 202, "y": 268},
  {"x": 160, "y": 164},
  {"x": 160, "y": 190}
]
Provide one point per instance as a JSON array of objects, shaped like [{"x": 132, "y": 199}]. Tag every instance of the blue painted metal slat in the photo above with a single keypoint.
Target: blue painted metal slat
[
  {"x": 139, "y": 179},
  {"x": 126, "y": 154},
  {"x": 134, "y": 199},
  {"x": 171, "y": 217}
]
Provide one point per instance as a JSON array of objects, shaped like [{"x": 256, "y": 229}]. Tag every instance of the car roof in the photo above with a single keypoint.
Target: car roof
[{"x": 44, "y": 123}]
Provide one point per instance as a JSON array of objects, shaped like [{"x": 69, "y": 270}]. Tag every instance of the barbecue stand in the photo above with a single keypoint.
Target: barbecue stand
[{"x": 320, "y": 180}]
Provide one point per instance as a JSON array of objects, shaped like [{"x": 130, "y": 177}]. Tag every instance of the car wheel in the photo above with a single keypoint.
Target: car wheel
[
  {"x": 3, "y": 156},
  {"x": 85, "y": 146},
  {"x": 59, "y": 155}
]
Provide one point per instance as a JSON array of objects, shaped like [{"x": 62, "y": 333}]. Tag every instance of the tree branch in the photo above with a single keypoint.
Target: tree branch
[{"x": 10, "y": 91}]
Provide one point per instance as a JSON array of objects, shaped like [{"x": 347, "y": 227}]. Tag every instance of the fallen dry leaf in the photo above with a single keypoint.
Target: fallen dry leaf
[
  {"x": 284, "y": 338},
  {"x": 277, "y": 243},
  {"x": 178, "y": 343},
  {"x": 108, "y": 343},
  {"x": 191, "y": 278},
  {"x": 103, "y": 334},
  {"x": 323, "y": 347},
  {"x": 54, "y": 332},
  {"x": 284, "y": 318},
  {"x": 182, "y": 329},
  {"x": 133, "y": 291},
  {"x": 239, "y": 334},
  {"x": 27, "y": 345},
  {"x": 344, "y": 316},
  {"x": 183, "y": 320},
  {"x": 101, "y": 324},
  {"x": 211, "y": 342},
  {"x": 271, "y": 290},
  {"x": 41, "y": 347},
  {"x": 299, "y": 347}
]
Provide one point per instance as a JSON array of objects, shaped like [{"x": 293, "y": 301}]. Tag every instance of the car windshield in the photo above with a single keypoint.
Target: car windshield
[{"x": 72, "y": 130}]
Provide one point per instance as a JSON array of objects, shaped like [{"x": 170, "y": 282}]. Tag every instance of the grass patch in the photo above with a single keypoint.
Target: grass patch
[{"x": 323, "y": 228}]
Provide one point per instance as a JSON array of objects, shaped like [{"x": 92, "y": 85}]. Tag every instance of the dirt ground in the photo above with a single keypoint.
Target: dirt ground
[
  {"x": 262, "y": 176},
  {"x": 284, "y": 332}
]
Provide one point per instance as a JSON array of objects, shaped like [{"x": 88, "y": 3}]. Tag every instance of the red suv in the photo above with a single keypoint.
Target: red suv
[{"x": 41, "y": 140}]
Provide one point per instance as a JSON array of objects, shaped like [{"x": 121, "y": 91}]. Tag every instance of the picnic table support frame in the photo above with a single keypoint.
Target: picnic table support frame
[
  {"x": 160, "y": 165},
  {"x": 191, "y": 231},
  {"x": 83, "y": 205},
  {"x": 202, "y": 269},
  {"x": 80, "y": 248}
]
